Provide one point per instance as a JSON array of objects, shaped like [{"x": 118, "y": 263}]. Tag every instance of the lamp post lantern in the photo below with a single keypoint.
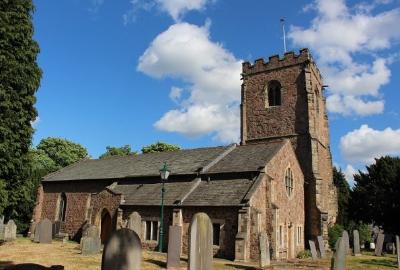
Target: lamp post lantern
[{"x": 164, "y": 174}]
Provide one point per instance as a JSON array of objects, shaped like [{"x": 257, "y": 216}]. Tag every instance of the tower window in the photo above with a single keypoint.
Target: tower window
[
  {"x": 273, "y": 95},
  {"x": 289, "y": 182},
  {"x": 62, "y": 207}
]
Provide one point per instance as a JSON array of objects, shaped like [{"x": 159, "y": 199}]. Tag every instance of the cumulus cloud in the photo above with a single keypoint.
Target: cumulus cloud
[
  {"x": 339, "y": 35},
  {"x": 364, "y": 144},
  {"x": 35, "y": 122},
  {"x": 175, "y": 8},
  {"x": 349, "y": 173},
  {"x": 185, "y": 51}
]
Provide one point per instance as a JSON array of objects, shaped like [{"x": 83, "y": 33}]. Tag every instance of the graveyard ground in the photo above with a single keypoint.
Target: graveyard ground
[{"x": 68, "y": 254}]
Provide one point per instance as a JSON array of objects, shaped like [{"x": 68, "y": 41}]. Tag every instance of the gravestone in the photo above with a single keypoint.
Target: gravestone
[
  {"x": 200, "y": 243},
  {"x": 123, "y": 251},
  {"x": 44, "y": 232},
  {"x": 379, "y": 244},
  {"x": 135, "y": 223},
  {"x": 321, "y": 246},
  {"x": 346, "y": 240},
  {"x": 313, "y": 249},
  {"x": 174, "y": 246},
  {"x": 10, "y": 231},
  {"x": 1, "y": 228},
  {"x": 398, "y": 251},
  {"x": 339, "y": 258},
  {"x": 90, "y": 245},
  {"x": 90, "y": 231},
  {"x": 356, "y": 243},
  {"x": 36, "y": 233},
  {"x": 265, "y": 258}
]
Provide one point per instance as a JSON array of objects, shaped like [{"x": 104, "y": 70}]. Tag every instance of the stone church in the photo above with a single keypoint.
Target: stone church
[{"x": 277, "y": 180}]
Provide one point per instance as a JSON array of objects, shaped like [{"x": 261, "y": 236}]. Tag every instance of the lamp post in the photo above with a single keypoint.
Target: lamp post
[{"x": 164, "y": 173}]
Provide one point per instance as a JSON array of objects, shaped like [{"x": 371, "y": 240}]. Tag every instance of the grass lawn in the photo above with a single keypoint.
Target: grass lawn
[{"x": 68, "y": 255}]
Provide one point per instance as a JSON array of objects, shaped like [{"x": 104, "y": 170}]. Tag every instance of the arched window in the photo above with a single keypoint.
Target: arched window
[
  {"x": 273, "y": 95},
  {"x": 62, "y": 207},
  {"x": 289, "y": 182}
]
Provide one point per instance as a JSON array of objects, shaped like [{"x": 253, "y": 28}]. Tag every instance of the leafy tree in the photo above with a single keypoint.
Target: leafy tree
[
  {"x": 334, "y": 233},
  {"x": 41, "y": 163},
  {"x": 375, "y": 197},
  {"x": 118, "y": 151},
  {"x": 160, "y": 147},
  {"x": 62, "y": 151},
  {"x": 19, "y": 80},
  {"x": 343, "y": 190}
]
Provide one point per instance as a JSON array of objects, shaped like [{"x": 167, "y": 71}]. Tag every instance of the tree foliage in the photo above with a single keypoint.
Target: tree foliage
[
  {"x": 343, "y": 190},
  {"x": 375, "y": 197},
  {"x": 160, "y": 147},
  {"x": 118, "y": 151},
  {"x": 61, "y": 151},
  {"x": 19, "y": 80}
]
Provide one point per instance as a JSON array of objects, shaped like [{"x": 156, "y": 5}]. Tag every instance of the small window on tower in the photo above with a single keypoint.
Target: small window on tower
[
  {"x": 273, "y": 94},
  {"x": 289, "y": 182}
]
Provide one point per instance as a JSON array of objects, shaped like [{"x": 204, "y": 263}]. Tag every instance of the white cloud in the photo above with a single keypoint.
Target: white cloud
[
  {"x": 338, "y": 35},
  {"x": 175, "y": 94},
  {"x": 95, "y": 5},
  {"x": 175, "y": 8},
  {"x": 349, "y": 173},
  {"x": 364, "y": 144},
  {"x": 185, "y": 51},
  {"x": 350, "y": 105},
  {"x": 35, "y": 122}
]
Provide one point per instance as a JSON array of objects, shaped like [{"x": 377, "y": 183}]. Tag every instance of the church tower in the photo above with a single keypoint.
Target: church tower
[{"x": 284, "y": 99}]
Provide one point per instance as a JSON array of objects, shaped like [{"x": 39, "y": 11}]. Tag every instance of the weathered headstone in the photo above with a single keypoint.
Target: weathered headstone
[
  {"x": 265, "y": 258},
  {"x": 1, "y": 228},
  {"x": 90, "y": 245},
  {"x": 36, "y": 233},
  {"x": 135, "y": 223},
  {"x": 339, "y": 258},
  {"x": 174, "y": 246},
  {"x": 44, "y": 231},
  {"x": 346, "y": 240},
  {"x": 123, "y": 251},
  {"x": 356, "y": 243},
  {"x": 398, "y": 251},
  {"x": 10, "y": 231},
  {"x": 313, "y": 249},
  {"x": 93, "y": 231},
  {"x": 321, "y": 246},
  {"x": 200, "y": 243},
  {"x": 379, "y": 244}
]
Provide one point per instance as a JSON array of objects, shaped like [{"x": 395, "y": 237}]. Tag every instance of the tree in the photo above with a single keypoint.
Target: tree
[
  {"x": 343, "y": 190},
  {"x": 375, "y": 197},
  {"x": 63, "y": 152},
  {"x": 118, "y": 151},
  {"x": 19, "y": 80},
  {"x": 160, "y": 147}
]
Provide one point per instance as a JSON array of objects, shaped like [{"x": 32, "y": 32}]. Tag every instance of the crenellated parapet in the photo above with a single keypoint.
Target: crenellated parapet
[{"x": 275, "y": 62}]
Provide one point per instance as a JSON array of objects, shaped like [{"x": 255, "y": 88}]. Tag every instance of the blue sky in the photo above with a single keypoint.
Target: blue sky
[{"x": 134, "y": 72}]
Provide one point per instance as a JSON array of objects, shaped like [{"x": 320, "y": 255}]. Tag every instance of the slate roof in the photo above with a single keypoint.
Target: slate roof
[
  {"x": 183, "y": 162},
  {"x": 220, "y": 192},
  {"x": 247, "y": 158}
]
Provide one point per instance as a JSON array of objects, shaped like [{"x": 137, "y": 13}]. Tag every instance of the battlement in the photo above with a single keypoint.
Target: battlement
[{"x": 275, "y": 62}]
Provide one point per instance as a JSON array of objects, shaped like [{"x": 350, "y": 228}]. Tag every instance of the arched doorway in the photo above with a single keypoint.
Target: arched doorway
[{"x": 106, "y": 226}]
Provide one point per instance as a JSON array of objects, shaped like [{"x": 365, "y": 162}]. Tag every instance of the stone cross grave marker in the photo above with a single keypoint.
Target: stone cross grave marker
[
  {"x": 356, "y": 243},
  {"x": 321, "y": 246},
  {"x": 339, "y": 258},
  {"x": 265, "y": 258},
  {"x": 10, "y": 231},
  {"x": 200, "y": 243},
  {"x": 313, "y": 249},
  {"x": 346, "y": 239},
  {"x": 135, "y": 223},
  {"x": 379, "y": 244},
  {"x": 123, "y": 251},
  {"x": 44, "y": 231},
  {"x": 398, "y": 251},
  {"x": 174, "y": 246}
]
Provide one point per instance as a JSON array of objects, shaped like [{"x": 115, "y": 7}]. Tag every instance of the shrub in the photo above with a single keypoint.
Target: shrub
[
  {"x": 304, "y": 254},
  {"x": 334, "y": 233}
]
